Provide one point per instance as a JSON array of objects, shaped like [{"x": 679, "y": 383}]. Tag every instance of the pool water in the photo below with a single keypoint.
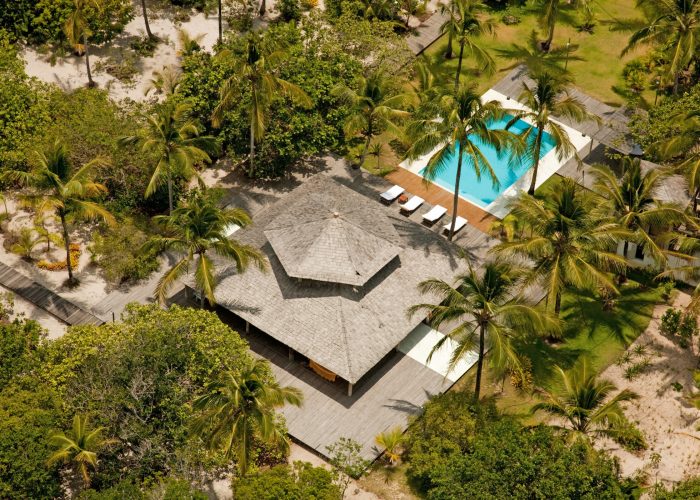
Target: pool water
[{"x": 482, "y": 192}]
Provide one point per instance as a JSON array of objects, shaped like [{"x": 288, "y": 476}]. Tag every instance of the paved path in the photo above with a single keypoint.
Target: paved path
[
  {"x": 44, "y": 298},
  {"x": 427, "y": 33}
]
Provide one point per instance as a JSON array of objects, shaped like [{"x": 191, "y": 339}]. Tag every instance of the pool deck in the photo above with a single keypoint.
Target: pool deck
[{"x": 435, "y": 195}]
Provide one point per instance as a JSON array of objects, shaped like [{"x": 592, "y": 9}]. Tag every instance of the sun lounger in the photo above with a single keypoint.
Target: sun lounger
[
  {"x": 434, "y": 214},
  {"x": 412, "y": 204},
  {"x": 459, "y": 224},
  {"x": 392, "y": 193}
]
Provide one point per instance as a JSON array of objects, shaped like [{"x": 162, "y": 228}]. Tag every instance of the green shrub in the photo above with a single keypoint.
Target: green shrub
[
  {"x": 290, "y": 10},
  {"x": 684, "y": 490},
  {"x": 630, "y": 437},
  {"x": 118, "y": 251},
  {"x": 670, "y": 321},
  {"x": 300, "y": 482}
]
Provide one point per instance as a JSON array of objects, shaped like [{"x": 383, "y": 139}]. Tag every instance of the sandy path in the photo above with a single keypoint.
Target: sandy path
[{"x": 663, "y": 415}]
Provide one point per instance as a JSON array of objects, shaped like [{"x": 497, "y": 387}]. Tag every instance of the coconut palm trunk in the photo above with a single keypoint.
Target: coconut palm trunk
[
  {"x": 536, "y": 158},
  {"x": 455, "y": 201},
  {"x": 170, "y": 193},
  {"x": 252, "y": 148},
  {"x": 221, "y": 29},
  {"x": 459, "y": 63},
  {"x": 263, "y": 8},
  {"x": 480, "y": 361},
  {"x": 66, "y": 242},
  {"x": 448, "y": 51},
  {"x": 91, "y": 83},
  {"x": 145, "y": 20}
]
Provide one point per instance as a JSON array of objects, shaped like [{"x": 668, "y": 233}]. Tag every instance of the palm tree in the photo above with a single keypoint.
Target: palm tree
[
  {"x": 585, "y": 403},
  {"x": 194, "y": 229},
  {"x": 548, "y": 97},
  {"x": 391, "y": 441},
  {"x": 173, "y": 137},
  {"x": 55, "y": 187},
  {"x": 684, "y": 147},
  {"x": 239, "y": 407},
  {"x": 412, "y": 8},
  {"x": 80, "y": 446},
  {"x": 78, "y": 31},
  {"x": 464, "y": 24},
  {"x": 373, "y": 107},
  {"x": 26, "y": 241},
  {"x": 255, "y": 72},
  {"x": 549, "y": 11},
  {"x": 151, "y": 36},
  {"x": 460, "y": 125},
  {"x": 535, "y": 60},
  {"x": 674, "y": 26},
  {"x": 489, "y": 311},
  {"x": 630, "y": 200},
  {"x": 565, "y": 240}
]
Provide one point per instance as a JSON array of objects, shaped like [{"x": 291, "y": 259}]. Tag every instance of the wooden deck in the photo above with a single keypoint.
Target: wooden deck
[
  {"x": 435, "y": 195},
  {"x": 384, "y": 398},
  {"x": 44, "y": 298}
]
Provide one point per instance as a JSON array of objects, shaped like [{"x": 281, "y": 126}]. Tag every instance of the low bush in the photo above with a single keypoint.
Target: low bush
[
  {"x": 301, "y": 481},
  {"x": 118, "y": 251}
]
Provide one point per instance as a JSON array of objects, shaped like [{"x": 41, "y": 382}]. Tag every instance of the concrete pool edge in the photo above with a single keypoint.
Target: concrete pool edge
[{"x": 549, "y": 164}]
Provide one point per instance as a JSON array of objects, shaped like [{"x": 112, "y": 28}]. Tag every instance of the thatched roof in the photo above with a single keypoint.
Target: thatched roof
[
  {"x": 338, "y": 240},
  {"x": 347, "y": 328}
]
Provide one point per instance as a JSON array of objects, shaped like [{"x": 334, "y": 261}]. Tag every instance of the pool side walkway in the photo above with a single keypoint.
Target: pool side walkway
[{"x": 435, "y": 195}]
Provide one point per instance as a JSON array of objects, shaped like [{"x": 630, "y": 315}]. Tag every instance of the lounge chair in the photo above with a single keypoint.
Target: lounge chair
[
  {"x": 411, "y": 205},
  {"x": 434, "y": 214},
  {"x": 392, "y": 193},
  {"x": 459, "y": 224}
]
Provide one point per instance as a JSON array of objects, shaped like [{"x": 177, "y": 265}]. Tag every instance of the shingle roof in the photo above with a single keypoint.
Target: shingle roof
[
  {"x": 347, "y": 329},
  {"x": 335, "y": 239}
]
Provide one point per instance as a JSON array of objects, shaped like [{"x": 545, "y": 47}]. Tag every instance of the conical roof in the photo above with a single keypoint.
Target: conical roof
[{"x": 333, "y": 238}]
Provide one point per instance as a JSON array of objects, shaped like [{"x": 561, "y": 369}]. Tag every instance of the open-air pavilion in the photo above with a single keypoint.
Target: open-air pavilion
[{"x": 330, "y": 313}]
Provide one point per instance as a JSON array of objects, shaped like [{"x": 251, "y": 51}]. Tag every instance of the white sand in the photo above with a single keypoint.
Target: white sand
[
  {"x": 70, "y": 72},
  {"x": 22, "y": 308},
  {"x": 662, "y": 414},
  {"x": 92, "y": 286}
]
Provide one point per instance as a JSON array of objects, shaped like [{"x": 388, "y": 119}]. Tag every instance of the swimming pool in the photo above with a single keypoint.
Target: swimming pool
[{"x": 482, "y": 192}]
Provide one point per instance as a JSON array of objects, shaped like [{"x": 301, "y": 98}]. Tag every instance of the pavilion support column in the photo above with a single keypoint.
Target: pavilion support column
[
  {"x": 188, "y": 293},
  {"x": 291, "y": 354},
  {"x": 247, "y": 327},
  {"x": 350, "y": 386}
]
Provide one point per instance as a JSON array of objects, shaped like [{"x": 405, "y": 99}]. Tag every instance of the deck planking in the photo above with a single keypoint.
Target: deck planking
[
  {"x": 435, "y": 195},
  {"x": 384, "y": 398},
  {"x": 45, "y": 299}
]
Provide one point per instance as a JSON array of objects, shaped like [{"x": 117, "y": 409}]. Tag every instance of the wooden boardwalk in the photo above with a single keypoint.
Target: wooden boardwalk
[
  {"x": 427, "y": 33},
  {"x": 44, "y": 298},
  {"x": 435, "y": 195}
]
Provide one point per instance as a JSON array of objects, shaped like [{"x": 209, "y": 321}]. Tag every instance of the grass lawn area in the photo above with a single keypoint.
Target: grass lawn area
[
  {"x": 602, "y": 64},
  {"x": 589, "y": 331}
]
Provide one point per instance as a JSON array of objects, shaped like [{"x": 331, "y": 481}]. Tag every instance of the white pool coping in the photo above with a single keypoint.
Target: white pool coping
[
  {"x": 418, "y": 344},
  {"x": 549, "y": 163}
]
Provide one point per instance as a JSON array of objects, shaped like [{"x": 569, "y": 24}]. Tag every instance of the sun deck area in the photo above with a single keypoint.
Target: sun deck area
[{"x": 386, "y": 397}]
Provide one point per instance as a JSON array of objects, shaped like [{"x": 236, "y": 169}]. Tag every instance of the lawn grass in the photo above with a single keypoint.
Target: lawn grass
[
  {"x": 589, "y": 331},
  {"x": 598, "y": 72}
]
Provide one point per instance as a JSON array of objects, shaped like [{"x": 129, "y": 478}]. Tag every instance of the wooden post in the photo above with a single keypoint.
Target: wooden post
[
  {"x": 247, "y": 327},
  {"x": 291, "y": 354},
  {"x": 188, "y": 293},
  {"x": 350, "y": 389}
]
